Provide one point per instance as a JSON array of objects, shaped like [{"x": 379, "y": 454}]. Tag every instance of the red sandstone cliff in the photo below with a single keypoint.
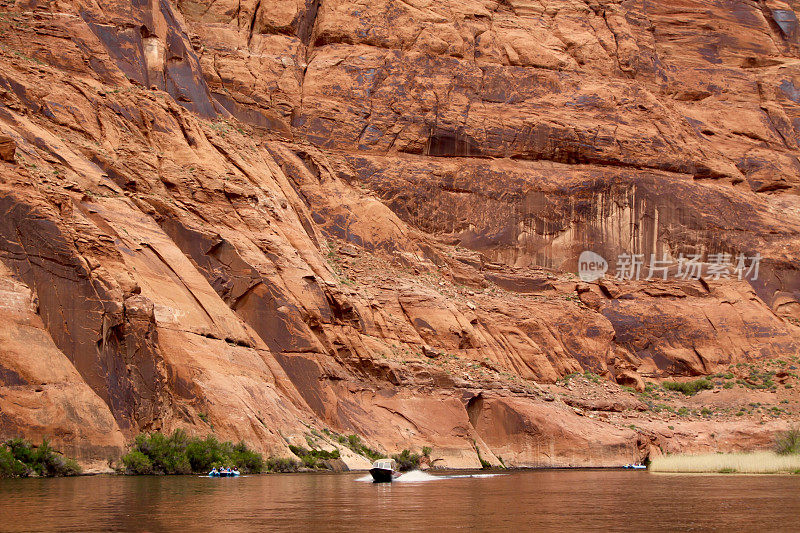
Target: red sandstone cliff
[{"x": 267, "y": 217}]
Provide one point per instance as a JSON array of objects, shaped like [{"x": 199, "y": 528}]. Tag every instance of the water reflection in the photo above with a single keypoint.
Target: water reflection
[{"x": 524, "y": 501}]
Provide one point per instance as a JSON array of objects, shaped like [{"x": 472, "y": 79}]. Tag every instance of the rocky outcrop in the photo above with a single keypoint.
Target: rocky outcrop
[
  {"x": 42, "y": 392},
  {"x": 526, "y": 434},
  {"x": 266, "y": 219},
  {"x": 7, "y": 148}
]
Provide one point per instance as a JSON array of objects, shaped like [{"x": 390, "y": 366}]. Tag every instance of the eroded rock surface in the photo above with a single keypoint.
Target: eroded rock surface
[{"x": 270, "y": 218}]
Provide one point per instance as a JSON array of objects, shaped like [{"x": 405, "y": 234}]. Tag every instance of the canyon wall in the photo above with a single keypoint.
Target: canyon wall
[{"x": 269, "y": 218}]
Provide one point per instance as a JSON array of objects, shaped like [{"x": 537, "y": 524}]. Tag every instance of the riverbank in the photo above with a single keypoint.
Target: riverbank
[{"x": 728, "y": 463}]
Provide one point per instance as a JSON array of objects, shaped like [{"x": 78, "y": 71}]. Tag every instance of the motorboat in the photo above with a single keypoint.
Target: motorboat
[
  {"x": 636, "y": 466},
  {"x": 383, "y": 471}
]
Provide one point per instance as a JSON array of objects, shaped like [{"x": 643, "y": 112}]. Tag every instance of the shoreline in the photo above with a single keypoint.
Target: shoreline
[
  {"x": 443, "y": 472},
  {"x": 446, "y": 471}
]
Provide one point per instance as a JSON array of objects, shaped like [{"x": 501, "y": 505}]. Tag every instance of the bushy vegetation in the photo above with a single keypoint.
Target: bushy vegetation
[
  {"x": 156, "y": 453},
  {"x": 354, "y": 443},
  {"x": 20, "y": 458},
  {"x": 136, "y": 462},
  {"x": 588, "y": 375},
  {"x": 281, "y": 464},
  {"x": 314, "y": 458},
  {"x": 484, "y": 462},
  {"x": 688, "y": 388},
  {"x": 10, "y": 466},
  {"x": 789, "y": 442},
  {"x": 406, "y": 460}
]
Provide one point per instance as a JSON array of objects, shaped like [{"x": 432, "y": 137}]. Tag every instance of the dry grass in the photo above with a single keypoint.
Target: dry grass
[{"x": 745, "y": 463}]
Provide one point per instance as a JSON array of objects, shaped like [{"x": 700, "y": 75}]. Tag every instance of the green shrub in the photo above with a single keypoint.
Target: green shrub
[
  {"x": 137, "y": 463},
  {"x": 19, "y": 458},
  {"x": 49, "y": 463},
  {"x": 591, "y": 376},
  {"x": 689, "y": 387},
  {"x": 166, "y": 453},
  {"x": 789, "y": 442},
  {"x": 248, "y": 460},
  {"x": 22, "y": 450},
  {"x": 484, "y": 463},
  {"x": 426, "y": 451},
  {"x": 354, "y": 443},
  {"x": 156, "y": 453},
  {"x": 208, "y": 453},
  {"x": 281, "y": 464},
  {"x": 314, "y": 458},
  {"x": 10, "y": 466},
  {"x": 406, "y": 460},
  {"x": 566, "y": 379}
]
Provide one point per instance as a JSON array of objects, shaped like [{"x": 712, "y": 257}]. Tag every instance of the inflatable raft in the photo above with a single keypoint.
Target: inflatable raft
[{"x": 223, "y": 473}]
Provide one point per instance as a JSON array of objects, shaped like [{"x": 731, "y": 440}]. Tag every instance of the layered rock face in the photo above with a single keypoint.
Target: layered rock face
[{"x": 265, "y": 218}]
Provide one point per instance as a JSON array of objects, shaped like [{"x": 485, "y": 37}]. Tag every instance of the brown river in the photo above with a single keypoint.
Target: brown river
[{"x": 542, "y": 500}]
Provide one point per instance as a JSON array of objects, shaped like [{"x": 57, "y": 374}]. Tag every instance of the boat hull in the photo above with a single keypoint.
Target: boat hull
[{"x": 381, "y": 475}]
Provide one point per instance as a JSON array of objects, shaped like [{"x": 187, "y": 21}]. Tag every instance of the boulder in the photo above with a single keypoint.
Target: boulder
[
  {"x": 629, "y": 378},
  {"x": 8, "y": 148}
]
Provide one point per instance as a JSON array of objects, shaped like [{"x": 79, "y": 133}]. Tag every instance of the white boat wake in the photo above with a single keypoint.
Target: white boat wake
[{"x": 418, "y": 476}]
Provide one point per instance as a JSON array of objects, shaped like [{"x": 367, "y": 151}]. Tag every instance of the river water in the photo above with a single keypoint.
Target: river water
[{"x": 542, "y": 500}]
